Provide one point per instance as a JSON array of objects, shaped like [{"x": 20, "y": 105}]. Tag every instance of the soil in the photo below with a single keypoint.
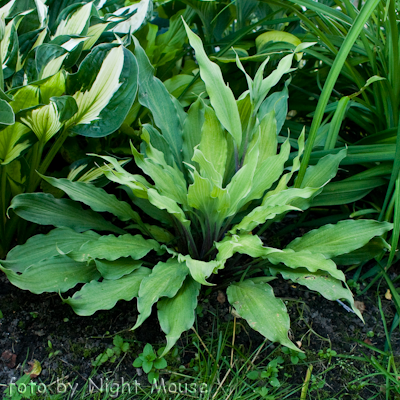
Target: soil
[{"x": 30, "y": 324}]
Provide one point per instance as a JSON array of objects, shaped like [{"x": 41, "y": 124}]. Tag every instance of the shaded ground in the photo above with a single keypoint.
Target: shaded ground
[{"x": 30, "y": 322}]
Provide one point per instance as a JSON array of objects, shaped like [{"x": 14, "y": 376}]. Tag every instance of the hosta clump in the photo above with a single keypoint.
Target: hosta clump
[{"x": 211, "y": 177}]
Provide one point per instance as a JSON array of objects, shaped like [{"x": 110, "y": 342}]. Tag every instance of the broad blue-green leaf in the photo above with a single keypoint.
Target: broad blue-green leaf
[
  {"x": 176, "y": 315},
  {"x": 344, "y": 237},
  {"x": 110, "y": 247},
  {"x": 330, "y": 288},
  {"x": 41, "y": 247},
  {"x": 221, "y": 96},
  {"x": 104, "y": 89},
  {"x": 61, "y": 272},
  {"x": 117, "y": 268},
  {"x": 44, "y": 209},
  {"x": 164, "y": 281},
  {"x": 96, "y": 198},
  {"x": 303, "y": 258},
  {"x": 265, "y": 313},
  {"x": 12, "y": 143},
  {"x": 154, "y": 96},
  {"x": 104, "y": 295}
]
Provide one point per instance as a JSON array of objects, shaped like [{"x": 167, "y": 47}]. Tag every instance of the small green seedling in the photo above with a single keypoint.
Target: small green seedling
[
  {"x": 111, "y": 354},
  {"x": 52, "y": 353},
  {"x": 150, "y": 363},
  {"x": 270, "y": 374},
  {"x": 328, "y": 354},
  {"x": 295, "y": 356}
]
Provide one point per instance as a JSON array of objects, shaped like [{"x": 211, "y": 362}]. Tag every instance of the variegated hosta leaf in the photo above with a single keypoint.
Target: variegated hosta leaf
[
  {"x": 344, "y": 237},
  {"x": 61, "y": 272},
  {"x": 74, "y": 20},
  {"x": 140, "y": 11},
  {"x": 44, "y": 209},
  {"x": 11, "y": 144},
  {"x": 104, "y": 295},
  {"x": 321, "y": 282},
  {"x": 110, "y": 247},
  {"x": 5, "y": 10},
  {"x": 164, "y": 281},
  {"x": 42, "y": 247},
  {"x": 256, "y": 303},
  {"x": 44, "y": 122},
  {"x": 176, "y": 315},
  {"x": 104, "y": 89}
]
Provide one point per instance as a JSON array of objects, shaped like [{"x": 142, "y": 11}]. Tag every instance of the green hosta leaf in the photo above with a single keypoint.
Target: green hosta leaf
[
  {"x": 265, "y": 313},
  {"x": 178, "y": 83},
  {"x": 7, "y": 116},
  {"x": 154, "y": 96},
  {"x": 112, "y": 247},
  {"x": 44, "y": 209},
  {"x": 330, "y": 288},
  {"x": 96, "y": 198},
  {"x": 117, "y": 268},
  {"x": 12, "y": 143},
  {"x": 192, "y": 129},
  {"x": 104, "y": 295},
  {"x": 61, "y": 272},
  {"x": 74, "y": 20},
  {"x": 312, "y": 261},
  {"x": 344, "y": 237},
  {"x": 104, "y": 89},
  {"x": 213, "y": 142},
  {"x": 41, "y": 247},
  {"x": 221, "y": 96},
  {"x": 200, "y": 270},
  {"x": 243, "y": 244},
  {"x": 164, "y": 281},
  {"x": 207, "y": 168},
  {"x": 176, "y": 315}
]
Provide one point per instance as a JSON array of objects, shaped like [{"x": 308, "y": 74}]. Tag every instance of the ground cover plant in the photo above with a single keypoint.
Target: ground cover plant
[{"x": 215, "y": 172}]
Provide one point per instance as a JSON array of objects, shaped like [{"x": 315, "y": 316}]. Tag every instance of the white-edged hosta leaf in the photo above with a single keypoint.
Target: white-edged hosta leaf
[
  {"x": 221, "y": 96},
  {"x": 43, "y": 121},
  {"x": 76, "y": 21},
  {"x": 164, "y": 281},
  {"x": 257, "y": 304},
  {"x": 104, "y": 88},
  {"x": 117, "y": 268},
  {"x": 96, "y": 198},
  {"x": 176, "y": 315},
  {"x": 61, "y": 272},
  {"x": 41, "y": 247},
  {"x": 243, "y": 244},
  {"x": 154, "y": 96},
  {"x": 321, "y": 282},
  {"x": 104, "y": 295},
  {"x": 303, "y": 258},
  {"x": 110, "y": 247},
  {"x": 143, "y": 10},
  {"x": 12, "y": 143},
  {"x": 44, "y": 209},
  {"x": 344, "y": 237}
]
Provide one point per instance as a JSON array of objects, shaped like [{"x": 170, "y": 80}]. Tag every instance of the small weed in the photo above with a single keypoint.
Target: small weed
[
  {"x": 150, "y": 362},
  {"x": 52, "y": 353},
  {"x": 111, "y": 354}
]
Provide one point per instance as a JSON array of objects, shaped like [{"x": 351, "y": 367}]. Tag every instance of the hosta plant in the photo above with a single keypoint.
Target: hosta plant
[{"x": 212, "y": 180}]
